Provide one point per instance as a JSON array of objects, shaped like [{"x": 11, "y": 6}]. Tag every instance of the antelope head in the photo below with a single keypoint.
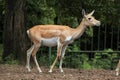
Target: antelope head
[{"x": 89, "y": 20}]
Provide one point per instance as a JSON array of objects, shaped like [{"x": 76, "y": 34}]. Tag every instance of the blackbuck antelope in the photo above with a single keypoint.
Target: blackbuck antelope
[{"x": 60, "y": 35}]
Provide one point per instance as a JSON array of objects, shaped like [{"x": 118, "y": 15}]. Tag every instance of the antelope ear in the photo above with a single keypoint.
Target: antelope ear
[
  {"x": 83, "y": 13},
  {"x": 92, "y": 12}
]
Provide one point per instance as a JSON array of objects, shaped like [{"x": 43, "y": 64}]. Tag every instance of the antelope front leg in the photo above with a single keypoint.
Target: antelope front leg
[
  {"x": 58, "y": 56},
  {"x": 62, "y": 57},
  {"x": 117, "y": 68},
  {"x": 53, "y": 64}
]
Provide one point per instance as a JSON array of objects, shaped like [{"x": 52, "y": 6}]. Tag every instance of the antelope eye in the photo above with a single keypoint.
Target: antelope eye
[{"x": 89, "y": 19}]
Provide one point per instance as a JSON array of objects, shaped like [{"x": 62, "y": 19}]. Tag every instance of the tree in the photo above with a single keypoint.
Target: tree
[{"x": 14, "y": 40}]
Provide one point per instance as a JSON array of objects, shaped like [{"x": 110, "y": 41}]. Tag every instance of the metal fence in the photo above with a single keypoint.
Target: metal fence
[{"x": 106, "y": 39}]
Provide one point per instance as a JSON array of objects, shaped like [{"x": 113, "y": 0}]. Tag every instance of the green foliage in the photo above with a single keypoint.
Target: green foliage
[
  {"x": 89, "y": 31},
  {"x": 48, "y": 16},
  {"x": 68, "y": 20},
  {"x": 10, "y": 60},
  {"x": 72, "y": 61},
  {"x": 100, "y": 60},
  {"x": 103, "y": 60},
  {"x": 106, "y": 11},
  {"x": 46, "y": 60},
  {"x": 42, "y": 60},
  {"x": 41, "y": 13},
  {"x": 73, "y": 47},
  {"x": 82, "y": 60},
  {"x": 86, "y": 65}
]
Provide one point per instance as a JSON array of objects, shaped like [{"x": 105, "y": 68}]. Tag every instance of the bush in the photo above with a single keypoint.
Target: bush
[
  {"x": 104, "y": 60},
  {"x": 10, "y": 60}
]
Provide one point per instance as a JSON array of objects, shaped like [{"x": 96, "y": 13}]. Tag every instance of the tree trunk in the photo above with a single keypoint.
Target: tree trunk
[{"x": 15, "y": 30}]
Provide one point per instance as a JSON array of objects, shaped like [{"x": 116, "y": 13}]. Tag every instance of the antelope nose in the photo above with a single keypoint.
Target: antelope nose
[{"x": 99, "y": 23}]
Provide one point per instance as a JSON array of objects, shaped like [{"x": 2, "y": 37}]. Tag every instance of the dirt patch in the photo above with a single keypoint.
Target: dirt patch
[{"x": 17, "y": 72}]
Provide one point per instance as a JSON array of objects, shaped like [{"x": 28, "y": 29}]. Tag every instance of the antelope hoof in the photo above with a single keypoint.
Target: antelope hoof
[
  {"x": 40, "y": 71},
  {"x": 117, "y": 73},
  {"x": 50, "y": 71},
  {"x": 61, "y": 71},
  {"x": 28, "y": 69}
]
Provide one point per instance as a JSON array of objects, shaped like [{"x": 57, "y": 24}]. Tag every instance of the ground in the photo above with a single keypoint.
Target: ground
[{"x": 17, "y": 72}]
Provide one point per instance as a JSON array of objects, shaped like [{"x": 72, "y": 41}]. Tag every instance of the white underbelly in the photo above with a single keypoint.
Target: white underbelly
[{"x": 50, "y": 41}]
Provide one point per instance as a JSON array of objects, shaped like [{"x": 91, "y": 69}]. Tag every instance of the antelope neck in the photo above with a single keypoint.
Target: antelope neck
[{"x": 79, "y": 30}]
